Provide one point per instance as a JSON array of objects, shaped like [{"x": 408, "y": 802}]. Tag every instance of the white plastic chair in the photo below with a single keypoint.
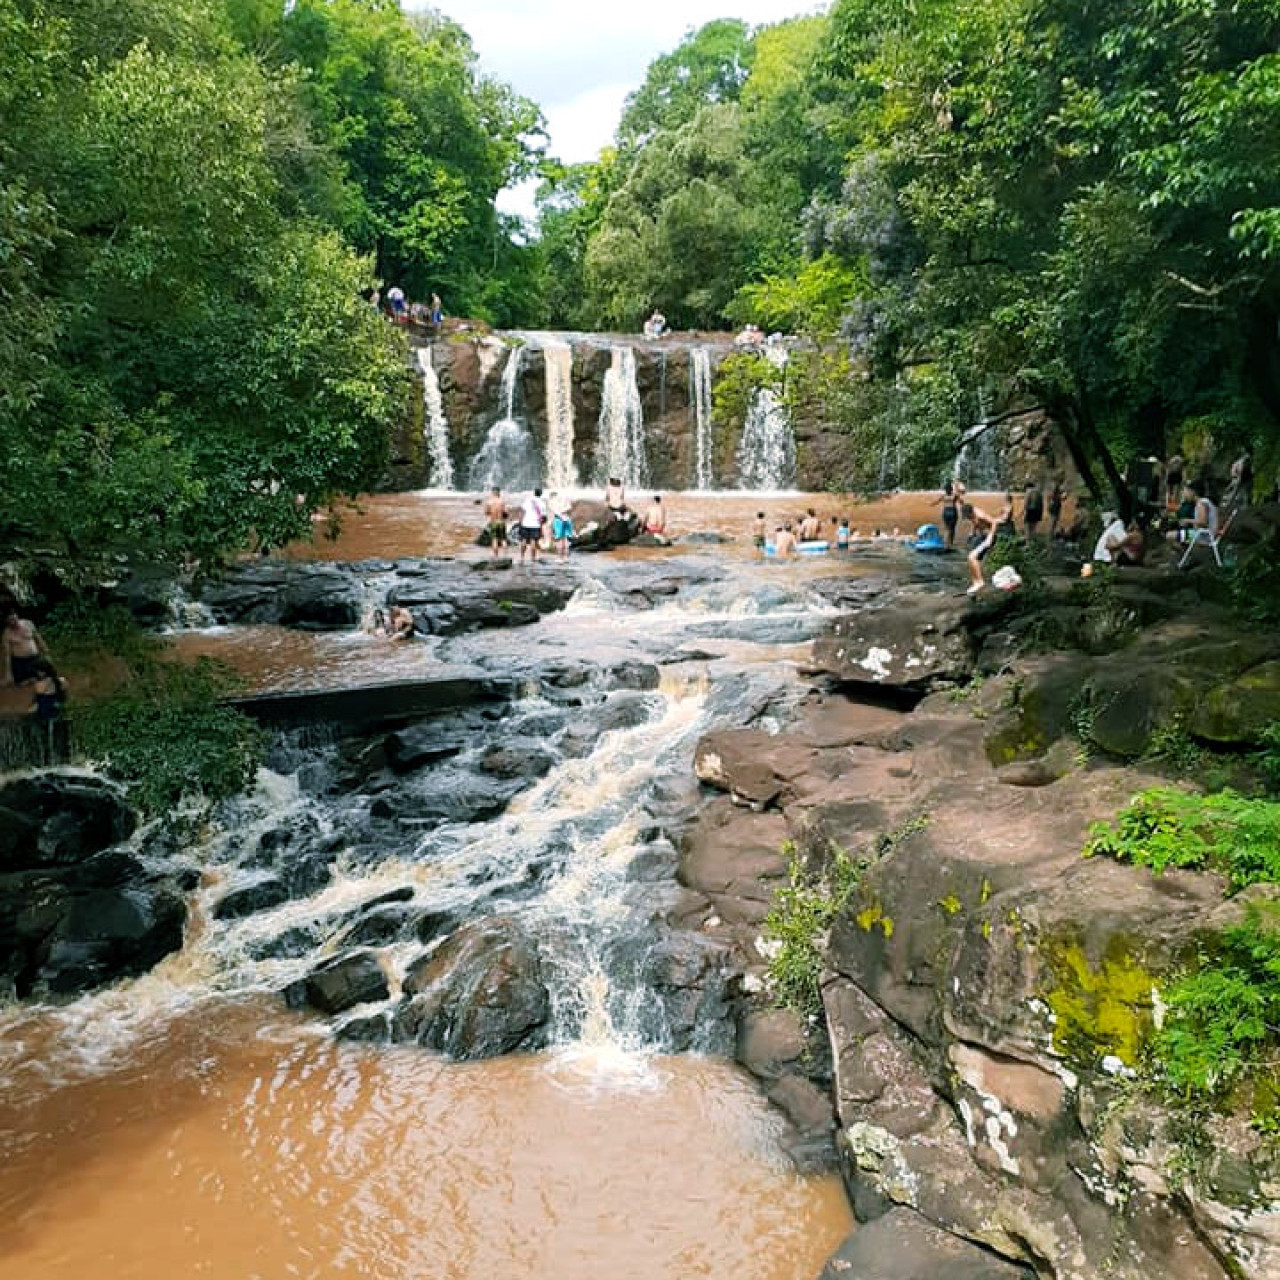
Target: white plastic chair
[{"x": 1203, "y": 537}]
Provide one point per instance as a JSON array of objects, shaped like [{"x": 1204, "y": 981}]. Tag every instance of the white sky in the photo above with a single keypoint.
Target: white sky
[{"x": 578, "y": 60}]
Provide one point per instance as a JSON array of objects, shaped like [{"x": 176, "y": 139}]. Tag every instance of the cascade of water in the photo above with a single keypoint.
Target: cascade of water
[
  {"x": 767, "y": 450},
  {"x": 508, "y": 456},
  {"x": 436, "y": 425},
  {"x": 621, "y": 450},
  {"x": 700, "y": 399},
  {"x": 558, "y": 365}
]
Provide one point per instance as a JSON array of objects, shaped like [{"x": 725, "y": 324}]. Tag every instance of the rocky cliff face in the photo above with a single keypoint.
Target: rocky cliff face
[{"x": 987, "y": 991}]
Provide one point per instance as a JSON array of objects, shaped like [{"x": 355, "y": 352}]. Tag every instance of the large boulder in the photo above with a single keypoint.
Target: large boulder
[
  {"x": 478, "y": 995},
  {"x": 351, "y": 979},
  {"x": 58, "y": 819},
  {"x": 909, "y": 643}
]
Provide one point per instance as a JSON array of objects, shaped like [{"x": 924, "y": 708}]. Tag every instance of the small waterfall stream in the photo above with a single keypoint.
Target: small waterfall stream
[
  {"x": 508, "y": 458},
  {"x": 436, "y": 425},
  {"x": 700, "y": 399},
  {"x": 558, "y": 363},
  {"x": 767, "y": 451},
  {"x": 621, "y": 450}
]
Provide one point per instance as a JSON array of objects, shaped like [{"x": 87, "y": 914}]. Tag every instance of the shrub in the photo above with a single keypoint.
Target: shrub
[{"x": 1227, "y": 832}]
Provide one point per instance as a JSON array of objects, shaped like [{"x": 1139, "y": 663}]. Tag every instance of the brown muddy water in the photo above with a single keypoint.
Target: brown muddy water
[{"x": 236, "y": 1144}]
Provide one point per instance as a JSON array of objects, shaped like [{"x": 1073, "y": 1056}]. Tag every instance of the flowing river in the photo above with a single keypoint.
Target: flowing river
[{"x": 184, "y": 1123}]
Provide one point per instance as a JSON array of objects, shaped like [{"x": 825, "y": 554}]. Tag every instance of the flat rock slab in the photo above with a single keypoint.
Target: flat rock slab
[{"x": 904, "y": 1246}]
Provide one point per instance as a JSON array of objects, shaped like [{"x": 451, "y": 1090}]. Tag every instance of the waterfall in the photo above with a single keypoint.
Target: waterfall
[
  {"x": 767, "y": 451},
  {"x": 700, "y": 399},
  {"x": 508, "y": 457},
  {"x": 621, "y": 449},
  {"x": 558, "y": 370},
  {"x": 436, "y": 425}
]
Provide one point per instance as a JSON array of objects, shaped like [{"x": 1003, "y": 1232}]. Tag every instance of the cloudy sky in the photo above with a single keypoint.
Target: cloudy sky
[{"x": 578, "y": 59}]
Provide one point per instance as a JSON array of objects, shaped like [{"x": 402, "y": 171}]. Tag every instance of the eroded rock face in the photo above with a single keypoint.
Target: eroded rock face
[{"x": 988, "y": 990}]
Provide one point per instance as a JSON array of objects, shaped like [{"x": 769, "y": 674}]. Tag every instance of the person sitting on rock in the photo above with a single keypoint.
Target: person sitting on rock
[
  {"x": 1118, "y": 544},
  {"x": 400, "y": 623}
]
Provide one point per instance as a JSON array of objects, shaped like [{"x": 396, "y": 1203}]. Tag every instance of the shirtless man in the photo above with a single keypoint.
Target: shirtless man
[
  {"x": 810, "y": 527},
  {"x": 655, "y": 519},
  {"x": 784, "y": 542},
  {"x": 615, "y": 498},
  {"x": 759, "y": 533},
  {"x": 495, "y": 514},
  {"x": 21, "y": 648}
]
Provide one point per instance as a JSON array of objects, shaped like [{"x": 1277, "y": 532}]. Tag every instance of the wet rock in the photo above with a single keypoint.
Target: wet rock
[
  {"x": 108, "y": 934},
  {"x": 1237, "y": 712},
  {"x": 380, "y": 928},
  {"x": 619, "y": 711},
  {"x": 292, "y": 944},
  {"x": 311, "y": 597},
  {"x": 374, "y": 1029},
  {"x": 421, "y": 744},
  {"x": 262, "y": 895},
  {"x": 902, "y": 1245},
  {"x": 463, "y": 798},
  {"x": 643, "y": 676},
  {"x": 731, "y": 761},
  {"x": 480, "y": 994},
  {"x": 56, "y": 819},
  {"x": 771, "y": 1042},
  {"x": 351, "y": 979},
  {"x": 514, "y": 762}
]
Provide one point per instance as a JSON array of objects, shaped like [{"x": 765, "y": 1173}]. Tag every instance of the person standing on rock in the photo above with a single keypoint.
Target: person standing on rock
[
  {"x": 532, "y": 517},
  {"x": 21, "y": 648},
  {"x": 495, "y": 514},
  {"x": 561, "y": 525}
]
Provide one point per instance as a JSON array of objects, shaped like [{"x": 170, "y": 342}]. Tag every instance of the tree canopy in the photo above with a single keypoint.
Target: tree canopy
[{"x": 193, "y": 196}]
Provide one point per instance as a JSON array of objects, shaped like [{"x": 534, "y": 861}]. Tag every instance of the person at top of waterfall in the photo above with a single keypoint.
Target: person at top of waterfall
[
  {"x": 532, "y": 518},
  {"x": 495, "y": 516},
  {"x": 843, "y": 534},
  {"x": 784, "y": 541},
  {"x": 1032, "y": 508},
  {"x": 950, "y": 510},
  {"x": 655, "y": 519},
  {"x": 395, "y": 296},
  {"x": 810, "y": 527},
  {"x": 656, "y": 325},
  {"x": 437, "y": 310},
  {"x": 615, "y": 498},
  {"x": 992, "y": 524},
  {"x": 21, "y": 647},
  {"x": 750, "y": 336},
  {"x": 759, "y": 533}
]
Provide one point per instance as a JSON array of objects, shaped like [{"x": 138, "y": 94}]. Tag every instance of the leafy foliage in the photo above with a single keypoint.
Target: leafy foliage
[
  {"x": 797, "y": 924},
  {"x": 164, "y": 729},
  {"x": 1232, "y": 834},
  {"x": 1221, "y": 1030}
]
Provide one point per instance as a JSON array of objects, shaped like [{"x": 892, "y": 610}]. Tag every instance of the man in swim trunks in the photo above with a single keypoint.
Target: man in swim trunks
[
  {"x": 495, "y": 514},
  {"x": 615, "y": 498},
  {"x": 810, "y": 527},
  {"x": 759, "y": 534},
  {"x": 21, "y": 648}
]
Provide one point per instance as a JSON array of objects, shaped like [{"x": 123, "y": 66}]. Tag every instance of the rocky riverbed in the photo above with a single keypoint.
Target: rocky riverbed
[{"x": 593, "y": 822}]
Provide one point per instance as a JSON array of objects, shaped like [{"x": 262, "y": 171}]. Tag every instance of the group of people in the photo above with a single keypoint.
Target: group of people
[
  {"x": 789, "y": 535},
  {"x": 401, "y": 310}
]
